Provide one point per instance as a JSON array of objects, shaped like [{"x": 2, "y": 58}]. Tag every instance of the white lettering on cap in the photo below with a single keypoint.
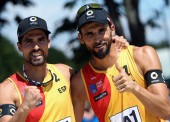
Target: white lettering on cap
[{"x": 32, "y": 19}]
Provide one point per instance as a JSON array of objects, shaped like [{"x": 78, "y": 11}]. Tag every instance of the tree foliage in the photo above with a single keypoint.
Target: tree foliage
[
  {"x": 127, "y": 8},
  {"x": 3, "y": 3},
  {"x": 10, "y": 60}
]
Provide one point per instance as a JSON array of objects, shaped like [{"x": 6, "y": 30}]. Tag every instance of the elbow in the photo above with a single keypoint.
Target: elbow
[{"x": 166, "y": 116}]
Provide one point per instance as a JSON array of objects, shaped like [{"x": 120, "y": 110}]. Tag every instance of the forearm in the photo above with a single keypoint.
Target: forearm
[
  {"x": 79, "y": 110},
  {"x": 157, "y": 104}
]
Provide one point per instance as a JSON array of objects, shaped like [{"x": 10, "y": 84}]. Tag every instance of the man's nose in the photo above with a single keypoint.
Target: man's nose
[
  {"x": 97, "y": 38},
  {"x": 36, "y": 46}
]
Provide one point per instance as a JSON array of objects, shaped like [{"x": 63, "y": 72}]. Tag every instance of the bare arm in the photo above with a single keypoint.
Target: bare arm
[
  {"x": 78, "y": 96},
  {"x": 8, "y": 95},
  {"x": 66, "y": 70},
  {"x": 155, "y": 98}
]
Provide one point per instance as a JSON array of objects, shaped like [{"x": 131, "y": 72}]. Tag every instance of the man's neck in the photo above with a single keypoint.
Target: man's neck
[{"x": 36, "y": 73}]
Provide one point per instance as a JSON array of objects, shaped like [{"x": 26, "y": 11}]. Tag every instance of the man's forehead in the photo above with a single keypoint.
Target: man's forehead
[
  {"x": 36, "y": 32},
  {"x": 89, "y": 24},
  {"x": 93, "y": 25}
]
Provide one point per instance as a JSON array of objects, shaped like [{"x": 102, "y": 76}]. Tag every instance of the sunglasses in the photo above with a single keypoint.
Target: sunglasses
[{"x": 86, "y": 7}]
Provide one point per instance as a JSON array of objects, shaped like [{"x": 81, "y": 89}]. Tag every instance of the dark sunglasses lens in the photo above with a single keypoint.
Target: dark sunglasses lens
[
  {"x": 85, "y": 7},
  {"x": 95, "y": 6}
]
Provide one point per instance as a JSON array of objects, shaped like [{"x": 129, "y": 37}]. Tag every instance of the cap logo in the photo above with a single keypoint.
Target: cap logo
[
  {"x": 32, "y": 19},
  {"x": 90, "y": 12}
]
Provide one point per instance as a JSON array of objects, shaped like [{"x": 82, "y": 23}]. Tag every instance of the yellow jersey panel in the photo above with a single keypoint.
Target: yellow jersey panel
[
  {"x": 56, "y": 105},
  {"x": 107, "y": 102}
]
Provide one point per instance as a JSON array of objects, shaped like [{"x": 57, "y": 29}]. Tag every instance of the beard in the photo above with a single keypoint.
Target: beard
[
  {"x": 102, "y": 53},
  {"x": 37, "y": 61}
]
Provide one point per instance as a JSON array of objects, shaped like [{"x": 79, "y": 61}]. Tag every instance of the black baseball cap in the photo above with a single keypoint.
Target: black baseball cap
[
  {"x": 30, "y": 23},
  {"x": 92, "y": 14}
]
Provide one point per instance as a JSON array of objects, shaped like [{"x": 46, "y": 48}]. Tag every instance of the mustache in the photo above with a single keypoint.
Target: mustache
[
  {"x": 39, "y": 50},
  {"x": 96, "y": 44}
]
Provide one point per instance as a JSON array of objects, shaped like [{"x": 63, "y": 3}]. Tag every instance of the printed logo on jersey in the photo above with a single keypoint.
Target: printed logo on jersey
[
  {"x": 62, "y": 89},
  {"x": 94, "y": 77},
  {"x": 93, "y": 88},
  {"x": 99, "y": 84},
  {"x": 100, "y": 96}
]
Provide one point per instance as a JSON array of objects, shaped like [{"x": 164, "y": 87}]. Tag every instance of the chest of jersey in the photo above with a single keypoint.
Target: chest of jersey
[
  {"x": 107, "y": 102},
  {"x": 56, "y": 104}
]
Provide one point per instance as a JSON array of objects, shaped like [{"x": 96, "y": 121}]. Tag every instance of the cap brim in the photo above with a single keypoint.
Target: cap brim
[
  {"x": 93, "y": 20},
  {"x": 47, "y": 31}
]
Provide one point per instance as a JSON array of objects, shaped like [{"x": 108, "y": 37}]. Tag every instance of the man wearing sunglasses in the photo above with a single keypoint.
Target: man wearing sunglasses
[
  {"x": 39, "y": 92},
  {"x": 121, "y": 86}
]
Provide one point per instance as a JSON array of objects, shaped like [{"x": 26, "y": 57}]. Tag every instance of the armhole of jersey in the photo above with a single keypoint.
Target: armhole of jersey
[
  {"x": 51, "y": 66},
  {"x": 20, "y": 99},
  {"x": 130, "y": 49},
  {"x": 84, "y": 82}
]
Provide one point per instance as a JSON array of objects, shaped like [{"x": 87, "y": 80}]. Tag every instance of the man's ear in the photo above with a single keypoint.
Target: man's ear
[
  {"x": 80, "y": 37},
  {"x": 19, "y": 46},
  {"x": 112, "y": 27},
  {"x": 49, "y": 43}
]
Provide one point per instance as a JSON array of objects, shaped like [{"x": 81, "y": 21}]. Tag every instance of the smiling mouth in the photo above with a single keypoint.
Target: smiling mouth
[
  {"x": 100, "y": 46},
  {"x": 36, "y": 54}
]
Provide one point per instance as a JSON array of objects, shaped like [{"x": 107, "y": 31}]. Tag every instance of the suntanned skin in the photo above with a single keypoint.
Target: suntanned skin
[
  {"x": 34, "y": 46},
  {"x": 154, "y": 98}
]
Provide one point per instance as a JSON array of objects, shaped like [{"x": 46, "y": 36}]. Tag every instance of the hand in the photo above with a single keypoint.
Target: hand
[
  {"x": 120, "y": 42},
  {"x": 122, "y": 81},
  {"x": 31, "y": 97}
]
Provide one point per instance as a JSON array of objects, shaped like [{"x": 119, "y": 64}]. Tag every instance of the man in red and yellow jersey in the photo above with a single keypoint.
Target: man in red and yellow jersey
[
  {"x": 39, "y": 92},
  {"x": 121, "y": 86}
]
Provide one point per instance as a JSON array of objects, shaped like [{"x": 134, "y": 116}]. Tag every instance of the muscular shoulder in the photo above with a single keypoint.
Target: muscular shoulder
[
  {"x": 146, "y": 58},
  {"x": 76, "y": 78},
  {"x": 66, "y": 70},
  {"x": 144, "y": 50},
  {"x": 8, "y": 92}
]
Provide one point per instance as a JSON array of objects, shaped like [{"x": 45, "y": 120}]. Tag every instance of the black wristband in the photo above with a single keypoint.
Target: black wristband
[
  {"x": 154, "y": 76},
  {"x": 7, "y": 109}
]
